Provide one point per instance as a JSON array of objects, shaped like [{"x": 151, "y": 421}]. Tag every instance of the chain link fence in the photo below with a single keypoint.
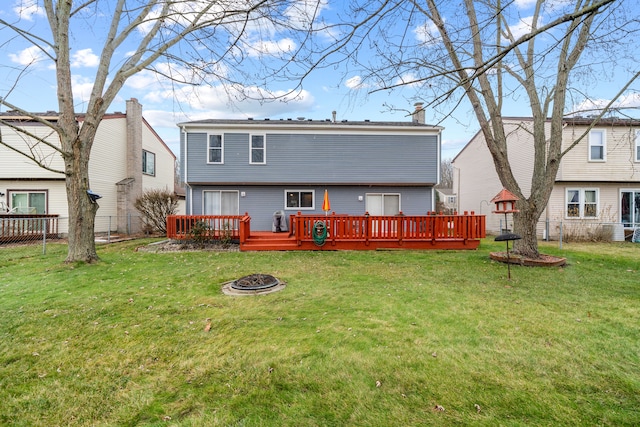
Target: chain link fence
[
  {"x": 570, "y": 231},
  {"x": 30, "y": 235}
]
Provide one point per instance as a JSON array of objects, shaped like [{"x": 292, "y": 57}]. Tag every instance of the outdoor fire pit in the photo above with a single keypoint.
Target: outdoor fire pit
[{"x": 253, "y": 284}]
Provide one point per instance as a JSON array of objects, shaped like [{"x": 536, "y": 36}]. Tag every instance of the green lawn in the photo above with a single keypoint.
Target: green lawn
[{"x": 355, "y": 339}]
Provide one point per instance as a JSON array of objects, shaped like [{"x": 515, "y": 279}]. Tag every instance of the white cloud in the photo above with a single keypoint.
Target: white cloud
[
  {"x": 354, "y": 82},
  {"x": 28, "y": 9},
  {"x": 522, "y": 27},
  {"x": 82, "y": 87},
  {"x": 407, "y": 79},
  {"x": 84, "y": 58},
  {"x": 273, "y": 48},
  {"x": 27, "y": 56},
  {"x": 252, "y": 101},
  {"x": 594, "y": 106},
  {"x": 302, "y": 14},
  {"x": 525, "y": 4},
  {"x": 427, "y": 33}
]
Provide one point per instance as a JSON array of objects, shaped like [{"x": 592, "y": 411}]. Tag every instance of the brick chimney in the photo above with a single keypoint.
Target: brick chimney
[
  {"x": 418, "y": 115},
  {"x": 130, "y": 188}
]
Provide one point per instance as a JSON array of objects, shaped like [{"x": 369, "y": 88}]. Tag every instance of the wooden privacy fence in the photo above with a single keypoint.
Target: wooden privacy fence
[
  {"x": 25, "y": 227},
  {"x": 214, "y": 227}
]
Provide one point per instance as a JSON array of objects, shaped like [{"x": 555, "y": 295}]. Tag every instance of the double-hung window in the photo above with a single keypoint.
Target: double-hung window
[
  {"x": 148, "y": 163},
  {"x": 215, "y": 149},
  {"x": 582, "y": 203},
  {"x": 299, "y": 199},
  {"x": 258, "y": 149},
  {"x": 636, "y": 150},
  {"x": 597, "y": 145}
]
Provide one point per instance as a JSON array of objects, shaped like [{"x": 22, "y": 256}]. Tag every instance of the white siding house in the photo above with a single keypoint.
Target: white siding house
[
  {"x": 116, "y": 169},
  {"x": 597, "y": 185}
]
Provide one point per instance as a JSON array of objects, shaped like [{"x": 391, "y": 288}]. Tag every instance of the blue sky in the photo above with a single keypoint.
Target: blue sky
[{"x": 164, "y": 104}]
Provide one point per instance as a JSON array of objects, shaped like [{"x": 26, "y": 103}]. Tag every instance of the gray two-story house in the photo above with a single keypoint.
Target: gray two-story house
[{"x": 260, "y": 167}]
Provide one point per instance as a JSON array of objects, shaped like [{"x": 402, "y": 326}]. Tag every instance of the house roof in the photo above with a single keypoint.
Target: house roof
[
  {"x": 575, "y": 121},
  {"x": 302, "y": 122},
  {"x": 52, "y": 116},
  {"x": 445, "y": 191}
]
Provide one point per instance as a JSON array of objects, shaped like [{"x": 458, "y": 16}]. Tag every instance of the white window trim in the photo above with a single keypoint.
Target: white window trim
[
  {"x": 604, "y": 145},
  {"x": 221, "y": 135},
  {"x": 636, "y": 147},
  {"x": 388, "y": 194},
  {"x": 144, "y": 163},
  {"x": 581, "y": 203},
  {"x": 221, "y": 191},
  {"x": 302, "y": 190},
  {"x": 627, "y": 190},
  {"x": 264, "y": 149},
  {"x": 14, "y": 209}
]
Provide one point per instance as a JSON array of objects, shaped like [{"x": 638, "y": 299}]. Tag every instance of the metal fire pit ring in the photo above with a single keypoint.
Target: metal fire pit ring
[{"x": 253, "y": 284}]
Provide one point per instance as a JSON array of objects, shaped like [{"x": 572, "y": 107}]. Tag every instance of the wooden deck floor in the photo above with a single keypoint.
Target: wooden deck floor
[{"x": 270, "y": 241}]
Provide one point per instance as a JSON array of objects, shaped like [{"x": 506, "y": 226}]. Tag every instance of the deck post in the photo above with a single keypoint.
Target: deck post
[{"x": 367, "y": 230}]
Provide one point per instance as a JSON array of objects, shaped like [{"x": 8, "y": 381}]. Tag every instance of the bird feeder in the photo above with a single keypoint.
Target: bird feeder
[{"x": 505, "y": 204}]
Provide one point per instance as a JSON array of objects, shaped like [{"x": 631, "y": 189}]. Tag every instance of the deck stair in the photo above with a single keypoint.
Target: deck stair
[{"x": 269, "y": 241}]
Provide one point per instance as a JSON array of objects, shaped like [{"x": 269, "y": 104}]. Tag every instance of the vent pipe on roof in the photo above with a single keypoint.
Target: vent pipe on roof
[{"x": 333, "y": 114}]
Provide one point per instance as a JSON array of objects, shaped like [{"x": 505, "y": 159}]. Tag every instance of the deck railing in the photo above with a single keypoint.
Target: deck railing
[
  {"x": 213, "y": 227},
  {"x": 25, "y": 227},
  {"x": 363, "y": 228},
  {"x": 391, "y": 228}
]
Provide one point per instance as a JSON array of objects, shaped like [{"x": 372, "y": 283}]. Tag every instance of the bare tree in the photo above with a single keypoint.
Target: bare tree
[
  {"x": 446, "y": 174},
  {"x": 212, "y": 41},
  {"x": 487, "y": 53}
]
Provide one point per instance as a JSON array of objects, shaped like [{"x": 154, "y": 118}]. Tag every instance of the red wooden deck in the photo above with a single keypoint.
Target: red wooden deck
[{"x": 340, "y": 232}]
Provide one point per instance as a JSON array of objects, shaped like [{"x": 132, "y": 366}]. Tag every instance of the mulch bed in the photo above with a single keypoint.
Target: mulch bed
[
  {"x": 542, "y": 261},
  {"x": 176, "y": 246}
]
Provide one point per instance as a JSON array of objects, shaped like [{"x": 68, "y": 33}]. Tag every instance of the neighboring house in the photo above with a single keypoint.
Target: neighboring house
[
  {"x": 260, "y": 167},
  {"x": 447, "y": 200},
  {"x": 597, "y": 185},
  {"x": 127, "y": 158}
]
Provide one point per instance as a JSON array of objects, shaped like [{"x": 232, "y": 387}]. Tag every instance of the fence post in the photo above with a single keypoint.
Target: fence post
[
  {"x": 546, "y": 230},
  {"x": 44, "y": 236},
  {"x": 560, "y": 240}
]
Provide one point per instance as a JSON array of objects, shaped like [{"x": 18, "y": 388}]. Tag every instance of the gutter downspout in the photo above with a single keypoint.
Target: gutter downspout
[{"x": 188, "y": 188}]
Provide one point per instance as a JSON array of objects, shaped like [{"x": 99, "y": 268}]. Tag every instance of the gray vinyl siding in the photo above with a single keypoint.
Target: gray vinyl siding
[
  {"x": 317, "y": 159},
  {"x": 260, "y": 202}
]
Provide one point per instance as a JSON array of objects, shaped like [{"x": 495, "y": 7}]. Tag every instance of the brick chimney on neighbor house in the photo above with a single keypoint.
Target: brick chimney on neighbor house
[
  {"x": 418, "y": 115},
  {"x": 130, "y": 188}
]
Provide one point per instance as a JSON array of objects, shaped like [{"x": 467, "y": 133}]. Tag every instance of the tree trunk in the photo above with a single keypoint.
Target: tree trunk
[
  {"x": 524, "y": 224},
  {"x": 82, "y": 210}
]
